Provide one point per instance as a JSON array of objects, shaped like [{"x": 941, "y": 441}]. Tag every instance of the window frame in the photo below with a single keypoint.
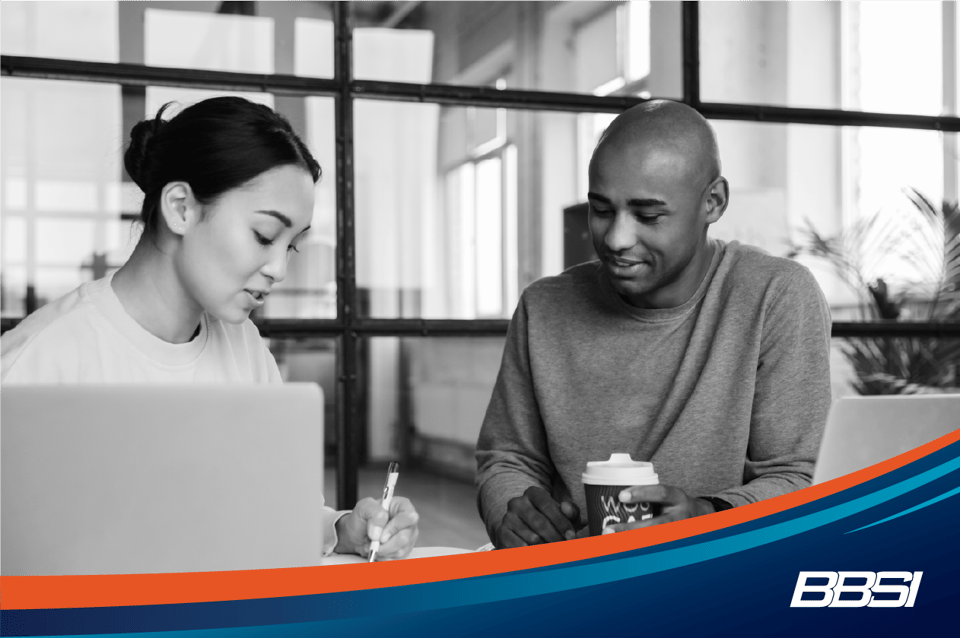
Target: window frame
[{"x": 350, "y": 327}]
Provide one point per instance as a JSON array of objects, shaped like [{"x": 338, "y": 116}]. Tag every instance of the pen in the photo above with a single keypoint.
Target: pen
[{"x": 393, "y": 471}]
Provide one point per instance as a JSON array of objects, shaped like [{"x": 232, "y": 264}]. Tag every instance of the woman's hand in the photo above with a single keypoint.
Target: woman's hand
[{"x": 397, "y": 530}]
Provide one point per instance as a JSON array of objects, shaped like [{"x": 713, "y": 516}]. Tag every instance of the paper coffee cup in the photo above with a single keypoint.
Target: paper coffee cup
[{"x": 604, "y": 480}]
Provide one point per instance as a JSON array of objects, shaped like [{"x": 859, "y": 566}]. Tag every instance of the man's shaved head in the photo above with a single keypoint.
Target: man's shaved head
[
  {"x": 670, "y": 127},
  {"x": 655, "y": 187}
]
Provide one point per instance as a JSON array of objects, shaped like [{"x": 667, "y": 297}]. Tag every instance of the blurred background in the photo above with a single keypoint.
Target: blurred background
[{"x": 454, "y": 139}]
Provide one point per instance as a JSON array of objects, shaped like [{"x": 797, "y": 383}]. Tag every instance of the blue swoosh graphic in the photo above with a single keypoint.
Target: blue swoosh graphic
[{"x": 912, "y": 509}]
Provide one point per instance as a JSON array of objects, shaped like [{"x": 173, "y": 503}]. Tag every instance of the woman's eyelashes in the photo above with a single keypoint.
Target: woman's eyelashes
[{"x": 266, "y": 241}]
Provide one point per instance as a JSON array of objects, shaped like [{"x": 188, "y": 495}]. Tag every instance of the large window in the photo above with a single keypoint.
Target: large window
[{"x": 454, "y": 139}]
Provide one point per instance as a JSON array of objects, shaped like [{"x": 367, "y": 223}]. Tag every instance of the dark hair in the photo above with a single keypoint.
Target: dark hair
[{"x": 214, "y": 145}]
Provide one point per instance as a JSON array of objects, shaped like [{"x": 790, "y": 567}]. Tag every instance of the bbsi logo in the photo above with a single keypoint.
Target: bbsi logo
[{"x": 829, "y": 595}]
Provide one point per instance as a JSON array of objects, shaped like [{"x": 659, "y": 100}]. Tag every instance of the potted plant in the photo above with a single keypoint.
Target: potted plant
[{"x": 925, "y": 241}]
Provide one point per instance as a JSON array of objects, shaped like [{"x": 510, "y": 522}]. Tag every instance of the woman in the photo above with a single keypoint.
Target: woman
[{"x": 228, "y": 194}]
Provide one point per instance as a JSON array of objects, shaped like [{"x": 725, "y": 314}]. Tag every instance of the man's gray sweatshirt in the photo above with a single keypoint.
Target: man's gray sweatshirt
[{"x": 726, "y": 395}]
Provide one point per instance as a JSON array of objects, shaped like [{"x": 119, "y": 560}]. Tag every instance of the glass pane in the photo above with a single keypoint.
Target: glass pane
[
  {"x": 425, "y": 402},
  {"x": 251, "y": 37},
  {"x": 314, "y": 38},
  {"x": 208, "y": 41},
  {"x": 70, "y": 30},
  {"x": 629, "y": 48},
  {"x": 894, "y": 365},
  {"x": 489, "y": 237},
  {"x": 861, "y": 182},
  {"x": 64, "y": 242},
  {"x": 315, "y": 361},
  {"x": 14, "y": 231},
  {"x": 827, "y": 55},
  {"x": 262, "y": 37},
  {"x": 459, "y": 208},
  {"x": 60, "y": 173}
]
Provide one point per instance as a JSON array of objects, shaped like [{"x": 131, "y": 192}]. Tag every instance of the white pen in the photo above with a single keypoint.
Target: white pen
[{"x": 393, "y": 471}]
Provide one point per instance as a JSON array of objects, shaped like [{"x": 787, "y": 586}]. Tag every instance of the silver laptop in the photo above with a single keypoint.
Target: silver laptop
[
  {"x": 863, "y": 431},
  {"x": 147, "y": 479}
]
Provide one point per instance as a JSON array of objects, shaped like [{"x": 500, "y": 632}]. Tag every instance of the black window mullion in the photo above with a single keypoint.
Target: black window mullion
[
  {"x": 825, "y": 117},
  {"x": 127, "y": 74},
  {"x": 491, "y": 97},
  {"x": 521, "y": 99},
  {"x": 691, "y": 53},
  {"x": 348, "y": 421}
]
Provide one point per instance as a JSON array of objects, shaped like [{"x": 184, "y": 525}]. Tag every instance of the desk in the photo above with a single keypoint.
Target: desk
[{"x": 418, "y": 552}]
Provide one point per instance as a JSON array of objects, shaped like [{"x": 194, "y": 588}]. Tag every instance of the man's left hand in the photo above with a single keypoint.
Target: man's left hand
[{"x": 674, "y": 503}]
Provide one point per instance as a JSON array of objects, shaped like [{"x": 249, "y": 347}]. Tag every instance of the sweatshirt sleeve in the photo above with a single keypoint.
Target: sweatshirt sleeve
[
  {"x": 37, "y": 352},
  {"x": 329, "y": 522},
  {"x": 792, "y": 393},
  {"x": 512, "y": 452}
]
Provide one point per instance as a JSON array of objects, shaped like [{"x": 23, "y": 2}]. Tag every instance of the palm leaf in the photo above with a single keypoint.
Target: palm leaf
[{"x": 928, "y": 240}]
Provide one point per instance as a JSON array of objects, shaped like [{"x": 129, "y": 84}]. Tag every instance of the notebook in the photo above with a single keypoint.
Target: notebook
[
  {"x": 147, "y": 479},
  {"x": 863, "y": 431}
]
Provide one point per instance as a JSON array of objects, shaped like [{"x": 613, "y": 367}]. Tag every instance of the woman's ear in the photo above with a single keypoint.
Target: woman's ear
[{"x": 179, "y": 207}]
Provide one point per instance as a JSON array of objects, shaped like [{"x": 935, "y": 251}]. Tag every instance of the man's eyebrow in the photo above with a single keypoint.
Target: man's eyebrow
[
  {"x": 640, "y": 203},
  {"x": 283, "y": 218},
  {"x": 599, "y": 198},
  {"x": 646, "y": 202}
]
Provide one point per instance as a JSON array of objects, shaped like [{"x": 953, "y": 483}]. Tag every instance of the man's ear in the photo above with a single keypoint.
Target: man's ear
[
  {"x": 179, "y": 207},
  {"x": 718, "y": 196}
]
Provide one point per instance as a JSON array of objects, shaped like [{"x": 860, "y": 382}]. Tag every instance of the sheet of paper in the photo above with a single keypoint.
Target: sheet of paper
[{"x": 418, "y": 552}]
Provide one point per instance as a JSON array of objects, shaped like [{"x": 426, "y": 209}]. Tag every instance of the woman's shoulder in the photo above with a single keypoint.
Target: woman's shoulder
[{"x": 51, "y": 332}]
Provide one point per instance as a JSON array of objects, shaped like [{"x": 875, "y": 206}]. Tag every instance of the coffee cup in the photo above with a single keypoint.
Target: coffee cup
[{"x": 604, "y": 480}]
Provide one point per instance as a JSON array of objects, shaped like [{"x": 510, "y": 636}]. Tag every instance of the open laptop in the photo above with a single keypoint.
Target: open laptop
[
  {"x": 147, "y": 479},
  {"x": 863, "y": 431}
]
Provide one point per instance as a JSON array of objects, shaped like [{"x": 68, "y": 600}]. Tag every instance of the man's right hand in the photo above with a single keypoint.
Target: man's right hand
[{"x": 536, "y": 518}]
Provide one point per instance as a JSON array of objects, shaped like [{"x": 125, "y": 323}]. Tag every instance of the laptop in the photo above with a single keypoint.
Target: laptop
[
  {"x": 863, "y": 431},
  {"x": 149, "y": 479}
]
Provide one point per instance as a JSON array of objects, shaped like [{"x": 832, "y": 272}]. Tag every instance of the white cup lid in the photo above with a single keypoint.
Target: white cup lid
[{"x": 620, "y": 469}]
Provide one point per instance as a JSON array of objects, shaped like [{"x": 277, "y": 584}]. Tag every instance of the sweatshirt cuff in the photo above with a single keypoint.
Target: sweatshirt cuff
[
  {"x": 330, "y": 538},
  {"x": 734, "y": 498},
  {"x": 719, "y": 504}
]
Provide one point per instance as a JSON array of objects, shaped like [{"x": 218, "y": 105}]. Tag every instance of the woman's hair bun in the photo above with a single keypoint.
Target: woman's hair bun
[
  {"x": 214, "y": 145},
  {"x": 137, "y": 158}
]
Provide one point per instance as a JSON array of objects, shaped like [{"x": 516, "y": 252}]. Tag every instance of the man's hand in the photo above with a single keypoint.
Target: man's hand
[
  {"x": 674, "y": 503},
  {"x": 397, "y": 530},
  {"x": 536, "y": 518}
]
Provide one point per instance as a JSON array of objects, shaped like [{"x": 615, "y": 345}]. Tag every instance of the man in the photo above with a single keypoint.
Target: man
[{"x": 708, "y": 359}]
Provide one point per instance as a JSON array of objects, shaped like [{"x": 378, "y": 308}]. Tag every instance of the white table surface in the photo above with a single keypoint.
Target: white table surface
[{"x": 418, "y": 552}]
